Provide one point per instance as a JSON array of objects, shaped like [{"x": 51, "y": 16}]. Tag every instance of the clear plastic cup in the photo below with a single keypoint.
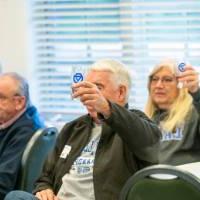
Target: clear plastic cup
[
  {"x": 180, "y": 69},
  {"x": 77, "y": 75}
]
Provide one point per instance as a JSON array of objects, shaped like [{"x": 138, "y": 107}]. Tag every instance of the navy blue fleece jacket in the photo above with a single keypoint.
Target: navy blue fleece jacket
[{"x": 12, "y": 144}]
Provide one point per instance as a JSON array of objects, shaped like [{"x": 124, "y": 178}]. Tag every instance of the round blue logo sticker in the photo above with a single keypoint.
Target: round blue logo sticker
[
  {"x": 181, "y": 67},
  {"x": 78, "y": 77}
]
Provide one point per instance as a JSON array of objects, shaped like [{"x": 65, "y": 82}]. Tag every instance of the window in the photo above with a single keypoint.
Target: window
[{"x": 67, "y": 33}]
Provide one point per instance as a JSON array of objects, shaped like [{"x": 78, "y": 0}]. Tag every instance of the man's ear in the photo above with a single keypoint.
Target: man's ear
[
  {"x": 122, "y": 93},
  {"x": 20, "y": 102}
]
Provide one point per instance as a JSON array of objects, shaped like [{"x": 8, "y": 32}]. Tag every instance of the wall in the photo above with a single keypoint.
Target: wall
[
  {"x": 14, "y": 40},
  {"x": 14, "y": 36}
]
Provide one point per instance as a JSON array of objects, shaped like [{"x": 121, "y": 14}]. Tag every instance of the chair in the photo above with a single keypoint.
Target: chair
[
  {"x": 35, "y": 153},
  {"x": 161, "y": 182}
]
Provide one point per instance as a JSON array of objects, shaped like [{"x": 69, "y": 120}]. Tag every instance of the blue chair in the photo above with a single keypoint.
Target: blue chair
[
  {"x": 161, "y": 182},
  {"x": 35, "y": 153}
]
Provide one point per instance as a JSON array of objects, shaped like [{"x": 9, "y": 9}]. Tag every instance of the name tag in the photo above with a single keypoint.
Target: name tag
[{"x": 65, "y": 151}]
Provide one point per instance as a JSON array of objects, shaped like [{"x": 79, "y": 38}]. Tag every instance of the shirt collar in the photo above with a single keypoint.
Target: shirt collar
[{"x": 12, "y": 120}]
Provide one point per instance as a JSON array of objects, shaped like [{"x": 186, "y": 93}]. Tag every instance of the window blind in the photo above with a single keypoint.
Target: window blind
[{"x": 69, "y": 33}]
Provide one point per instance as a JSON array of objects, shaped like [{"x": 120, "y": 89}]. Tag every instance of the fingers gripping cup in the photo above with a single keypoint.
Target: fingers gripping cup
[
  {"x": 180, "y": 70},
  {"x": 77, "y": 75}
]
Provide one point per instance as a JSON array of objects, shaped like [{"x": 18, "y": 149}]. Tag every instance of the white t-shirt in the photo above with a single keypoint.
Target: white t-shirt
[{"x": 78, "y": 183}]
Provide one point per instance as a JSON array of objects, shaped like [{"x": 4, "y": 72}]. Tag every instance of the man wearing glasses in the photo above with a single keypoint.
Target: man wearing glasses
[{"x": 18, "y": 121}]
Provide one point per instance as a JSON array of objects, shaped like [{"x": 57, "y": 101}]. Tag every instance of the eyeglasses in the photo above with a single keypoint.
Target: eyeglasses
[
  {"x": 3, "y": 97},
  {"x": 166, "y": 80}
]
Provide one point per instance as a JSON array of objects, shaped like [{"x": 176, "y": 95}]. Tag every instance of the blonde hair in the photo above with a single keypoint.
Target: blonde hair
[{"x": 179, "y": 109}]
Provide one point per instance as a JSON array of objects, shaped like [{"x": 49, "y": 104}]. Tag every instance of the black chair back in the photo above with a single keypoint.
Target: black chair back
[{"x": 161, "y": 182}]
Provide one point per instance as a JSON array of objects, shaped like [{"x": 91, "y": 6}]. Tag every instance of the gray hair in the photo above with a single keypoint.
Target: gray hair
[
  {"x": 118, "y": 69},
  {"x": 22, "y": 86}
]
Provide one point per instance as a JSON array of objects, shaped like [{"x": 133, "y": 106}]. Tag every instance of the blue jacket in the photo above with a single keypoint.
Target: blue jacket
[{"x": 13, "y": 141}]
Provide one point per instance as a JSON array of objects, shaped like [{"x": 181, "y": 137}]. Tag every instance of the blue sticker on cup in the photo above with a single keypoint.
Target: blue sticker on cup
[
  {"x": 181, "y": 67},
  {"x": 78, "y": 77}
]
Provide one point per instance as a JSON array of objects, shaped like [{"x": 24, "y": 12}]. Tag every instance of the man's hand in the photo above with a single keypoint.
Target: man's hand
[
  {"x": 91, "y": 97},
  {"x": 46, "y": 195}
]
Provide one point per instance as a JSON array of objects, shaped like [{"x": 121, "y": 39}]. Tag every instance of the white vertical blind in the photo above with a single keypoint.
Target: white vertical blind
[{"x": 69, "y": 33}]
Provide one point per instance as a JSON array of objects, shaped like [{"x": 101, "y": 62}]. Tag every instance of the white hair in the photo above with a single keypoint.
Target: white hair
[{"x": 118, "y": 69}]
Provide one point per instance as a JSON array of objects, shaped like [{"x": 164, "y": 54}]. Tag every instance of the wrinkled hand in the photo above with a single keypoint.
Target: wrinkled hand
[
  {"x": 190, "y": 78},
  {"x": 91, "y": 97},
  {"x": 46, "y": 195}
]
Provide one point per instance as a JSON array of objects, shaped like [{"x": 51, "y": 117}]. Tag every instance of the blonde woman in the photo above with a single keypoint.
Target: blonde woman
[{"x": 177, "y": 112}]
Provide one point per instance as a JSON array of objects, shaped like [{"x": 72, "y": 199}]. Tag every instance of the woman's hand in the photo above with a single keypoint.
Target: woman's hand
[{"x": 190, "y": 78}]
